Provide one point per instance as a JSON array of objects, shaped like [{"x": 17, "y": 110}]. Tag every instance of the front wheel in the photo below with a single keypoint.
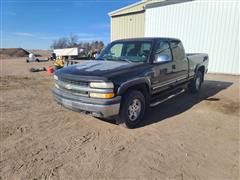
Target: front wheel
[
  {"x": 196, "y": 83},
  {"x": 132, "y": 108}
]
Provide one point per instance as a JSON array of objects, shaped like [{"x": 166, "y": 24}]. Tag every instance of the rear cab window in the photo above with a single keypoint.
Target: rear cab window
[{"x": 177, "y": 50}]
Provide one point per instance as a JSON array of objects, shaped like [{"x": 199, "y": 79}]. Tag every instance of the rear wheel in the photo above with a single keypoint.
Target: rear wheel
[
  {"x": 132, "y": 109},
  {"x": 196, "y": 83}
]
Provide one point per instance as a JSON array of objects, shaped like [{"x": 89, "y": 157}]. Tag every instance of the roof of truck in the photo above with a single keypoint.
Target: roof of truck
[{"x": 147, "y": 39}]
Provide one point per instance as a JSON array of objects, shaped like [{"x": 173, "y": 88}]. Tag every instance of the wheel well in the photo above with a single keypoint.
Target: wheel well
[
  {"x": 202, "y": 70},
  {"x": 143, "y": 88}
]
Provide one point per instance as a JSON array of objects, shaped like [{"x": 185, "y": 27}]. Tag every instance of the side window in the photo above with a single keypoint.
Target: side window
[
  {"x": 162, "y": 52},
  {"x": 145, "y": 50},
  {"x": 138, "y": 49},
  {"x": 131, "y": 49},
  {"x": 177, "y": 50},
  {"x": 116, "y": 50}
]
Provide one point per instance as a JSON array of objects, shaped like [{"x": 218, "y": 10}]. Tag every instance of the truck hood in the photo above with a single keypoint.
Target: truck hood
[{"x": 99, "y": 68}]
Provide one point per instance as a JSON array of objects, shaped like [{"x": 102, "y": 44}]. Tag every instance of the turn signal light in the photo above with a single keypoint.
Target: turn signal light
[{"x": 101, "y": 95}]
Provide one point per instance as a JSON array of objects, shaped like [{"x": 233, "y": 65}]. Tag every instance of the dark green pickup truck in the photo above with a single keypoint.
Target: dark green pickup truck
[{"x": 129, "y": 76}]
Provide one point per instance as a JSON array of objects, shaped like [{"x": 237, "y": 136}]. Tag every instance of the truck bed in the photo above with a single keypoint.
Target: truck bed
[{"x": 197, "y": 59}]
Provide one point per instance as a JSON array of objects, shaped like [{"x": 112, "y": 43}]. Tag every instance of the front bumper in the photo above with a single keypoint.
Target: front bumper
[{"x": 104, "y": 108}]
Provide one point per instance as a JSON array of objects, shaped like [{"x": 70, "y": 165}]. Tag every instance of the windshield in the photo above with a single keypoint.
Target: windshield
[{"x": 131, "y": 51}]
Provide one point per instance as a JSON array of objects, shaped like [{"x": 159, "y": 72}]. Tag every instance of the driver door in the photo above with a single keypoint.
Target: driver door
[{"x": 163, "y": 67}]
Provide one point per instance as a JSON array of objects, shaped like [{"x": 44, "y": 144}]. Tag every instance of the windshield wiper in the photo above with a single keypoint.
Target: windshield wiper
[
  {"x": 122, "y": 59},
  {"x": 102, "y": 59},
  {"x": 111, "y": 59},
  {"x": 105, "y": 59}
]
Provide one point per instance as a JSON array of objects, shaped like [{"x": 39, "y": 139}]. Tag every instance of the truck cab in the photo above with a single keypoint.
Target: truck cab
[{"x": 129, "y": 76}]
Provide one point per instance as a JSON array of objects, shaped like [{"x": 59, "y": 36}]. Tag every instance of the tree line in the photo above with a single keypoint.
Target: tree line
[{"x": 73, "y": 41}]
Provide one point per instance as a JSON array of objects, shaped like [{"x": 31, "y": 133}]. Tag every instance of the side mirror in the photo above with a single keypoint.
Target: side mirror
[{"x": 162, "y": 58}]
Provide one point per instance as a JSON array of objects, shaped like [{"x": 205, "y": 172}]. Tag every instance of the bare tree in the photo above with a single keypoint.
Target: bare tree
[
  {"x": 86, "y": 46},
  {"x": 101, "y": 45},
  {"x": 60, "y": 43},
  {"x": 73, "y": 40}
]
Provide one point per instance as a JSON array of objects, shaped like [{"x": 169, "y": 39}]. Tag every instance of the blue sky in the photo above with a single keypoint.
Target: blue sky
[{"x": 34, "y": 24}]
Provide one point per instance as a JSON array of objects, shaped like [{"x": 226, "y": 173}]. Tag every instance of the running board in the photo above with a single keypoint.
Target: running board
[{"x": 166, "y": 99}]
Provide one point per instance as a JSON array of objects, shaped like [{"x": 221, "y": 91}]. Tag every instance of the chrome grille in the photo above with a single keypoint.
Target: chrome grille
[
  {"x": 77, "y": 89},
  {"x": 79, "y": 83},
  {"x": 75, "y": 92},
  {"x": 67, "y": 86}
]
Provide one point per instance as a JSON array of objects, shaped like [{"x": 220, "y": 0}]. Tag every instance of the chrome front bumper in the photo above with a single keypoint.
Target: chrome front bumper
[{"x": 96, "y": 107}]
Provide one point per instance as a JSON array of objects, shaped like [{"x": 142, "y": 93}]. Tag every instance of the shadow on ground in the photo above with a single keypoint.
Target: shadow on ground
[
  {"x": 43, "y": 60},
  {"x": 184, "y": 102}
]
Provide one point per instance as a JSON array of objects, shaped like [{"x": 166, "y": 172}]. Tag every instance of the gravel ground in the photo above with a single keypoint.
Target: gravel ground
[{"x": 189, "y": 137}]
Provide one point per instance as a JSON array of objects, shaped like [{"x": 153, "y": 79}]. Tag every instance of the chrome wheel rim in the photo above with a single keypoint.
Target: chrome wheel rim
[
  {"x": 198, "y": 82},
  {"x": 134, "y": 109}
]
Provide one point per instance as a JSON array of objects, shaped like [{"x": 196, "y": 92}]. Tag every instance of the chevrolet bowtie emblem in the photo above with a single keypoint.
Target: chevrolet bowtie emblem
[{"x": 68, "y": 86}]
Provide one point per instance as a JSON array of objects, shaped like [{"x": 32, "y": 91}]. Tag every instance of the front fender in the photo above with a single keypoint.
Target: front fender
[{"x": 130, "y": 83}]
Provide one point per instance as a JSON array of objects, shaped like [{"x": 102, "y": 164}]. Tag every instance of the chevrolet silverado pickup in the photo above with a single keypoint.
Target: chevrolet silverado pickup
[{"x": 129, "y": 76}]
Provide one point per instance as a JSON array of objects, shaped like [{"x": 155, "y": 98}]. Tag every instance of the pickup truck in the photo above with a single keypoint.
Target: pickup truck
[{"x": 129, "y": 76}]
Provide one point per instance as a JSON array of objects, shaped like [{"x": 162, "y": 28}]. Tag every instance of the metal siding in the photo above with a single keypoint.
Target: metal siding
[
  {"x": 203, "y": 26},
  {"x": 128, "y": 26}
]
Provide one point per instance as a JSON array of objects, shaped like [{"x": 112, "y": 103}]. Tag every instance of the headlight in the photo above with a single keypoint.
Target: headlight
[
  {"x": 55, "y": 77},
  {"x": 57, "y": 86},
  {"x": 104, "y": 85},
  {"x": 102, "y": 95}
]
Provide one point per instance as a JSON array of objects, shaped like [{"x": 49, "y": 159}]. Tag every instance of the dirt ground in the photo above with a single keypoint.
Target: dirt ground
[
  {"x": 11, "y": 53},
  {"x": 189, "y": 137}
]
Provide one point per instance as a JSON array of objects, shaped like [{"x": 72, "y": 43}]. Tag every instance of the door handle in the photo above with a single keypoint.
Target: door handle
[
  {"x": 163, "y": 71},
  {"x": 174, "y": 66}
]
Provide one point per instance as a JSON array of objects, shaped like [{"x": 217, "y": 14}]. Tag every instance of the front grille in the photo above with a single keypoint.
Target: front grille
[
  {"x": 67, "y": 86},
  {"x": 79, "y": 83},
  {"x": 75, "y": 92},
  {"x": 79, "y": 88}
]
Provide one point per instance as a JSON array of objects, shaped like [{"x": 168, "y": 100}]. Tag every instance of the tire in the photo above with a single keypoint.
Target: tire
[
  {"x": 132, "y": 109},
  {"x": 196, "y": 83}
]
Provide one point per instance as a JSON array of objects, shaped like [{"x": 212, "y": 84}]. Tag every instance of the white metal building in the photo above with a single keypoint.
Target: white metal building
[{"x": 206, "y": 26}]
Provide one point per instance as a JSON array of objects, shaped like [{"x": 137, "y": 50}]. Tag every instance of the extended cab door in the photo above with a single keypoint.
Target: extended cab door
[
  {"x": 180, "y": 61},
  {"x": 164, "y": 67}
]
